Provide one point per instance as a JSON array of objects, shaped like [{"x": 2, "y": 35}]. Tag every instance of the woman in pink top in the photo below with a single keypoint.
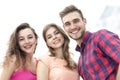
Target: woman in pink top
[
  {"x": 19, "y": 63},
  {"x": 58, "y": 65}
]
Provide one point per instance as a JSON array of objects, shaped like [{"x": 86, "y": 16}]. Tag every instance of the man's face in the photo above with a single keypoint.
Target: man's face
[{"x": 74, "y": 25}]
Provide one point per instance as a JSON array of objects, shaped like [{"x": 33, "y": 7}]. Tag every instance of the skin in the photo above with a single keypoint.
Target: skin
[
  {"x": 27, "y": 43},
  {"x": 6, "y": 73},
  {"x": 42, "y": 71},
  {"x": 74, "y": 25},
  {"x": 118, "y": 75}
]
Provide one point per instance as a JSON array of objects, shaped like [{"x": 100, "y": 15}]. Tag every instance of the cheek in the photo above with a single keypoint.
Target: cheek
[
  {"x": 20, "y": 44},
  {"x": 66, "y": 29},
  {"x": 48, "y": 43},
  {"x": 63, "y": 41},
  {"x": 35, "y": 41}
]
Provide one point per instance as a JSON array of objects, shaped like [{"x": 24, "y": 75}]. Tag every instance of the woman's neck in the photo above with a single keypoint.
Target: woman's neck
[
  {"x": 59, "y": 54},
  {"x": 30, "y": 64}
]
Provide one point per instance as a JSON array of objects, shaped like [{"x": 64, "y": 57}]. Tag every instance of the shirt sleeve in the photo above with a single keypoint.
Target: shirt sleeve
[
  {"x": 109, "y": 43},
  {"x": 45, "y": 59}
]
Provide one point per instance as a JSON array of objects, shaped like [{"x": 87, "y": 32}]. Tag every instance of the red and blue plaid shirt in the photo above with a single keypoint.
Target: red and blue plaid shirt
[{"x": 100, "y": 55}]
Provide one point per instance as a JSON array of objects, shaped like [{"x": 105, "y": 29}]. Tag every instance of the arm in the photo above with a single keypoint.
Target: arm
[
  {"x": 109, "y": 43},
  {"x": 118, "y": 74},
  {"x": 42, "y": 71},
  {"x": 6, "y": 73},
  {"x": 8, "y": 70}
]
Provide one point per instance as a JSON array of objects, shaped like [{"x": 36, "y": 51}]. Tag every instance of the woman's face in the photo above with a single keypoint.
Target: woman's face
[
  {"x": 54, "y": 38},
  {"x": 27, "y": 41}
]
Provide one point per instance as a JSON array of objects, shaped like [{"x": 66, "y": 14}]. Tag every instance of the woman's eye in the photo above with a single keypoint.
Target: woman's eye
[
  {"x": 30, "y": 37},
  {"x": 57, "y": 32},
  {"x": 21, "y": 39},
  {"x": 48, "y": 37}
]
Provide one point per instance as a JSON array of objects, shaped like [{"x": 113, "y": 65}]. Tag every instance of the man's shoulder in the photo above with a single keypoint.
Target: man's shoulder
[
  {"x": 102, "y": 32},
  {"x": 98, "y": 34}
]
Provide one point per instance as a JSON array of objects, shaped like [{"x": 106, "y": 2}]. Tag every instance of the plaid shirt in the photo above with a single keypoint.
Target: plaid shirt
[{"x": 100, "y": 56}]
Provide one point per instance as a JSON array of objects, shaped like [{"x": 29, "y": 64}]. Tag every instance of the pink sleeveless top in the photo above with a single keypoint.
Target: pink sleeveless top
[{"x": 23, "y": 75}]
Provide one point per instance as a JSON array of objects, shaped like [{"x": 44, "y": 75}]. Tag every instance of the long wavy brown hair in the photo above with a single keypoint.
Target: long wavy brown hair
[
  {"x": 14, "y": 48},
  {"x": 65, "y": 48}
]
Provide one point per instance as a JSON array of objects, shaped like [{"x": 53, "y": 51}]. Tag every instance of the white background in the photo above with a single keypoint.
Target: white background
[{"x": 38, "y": 13}]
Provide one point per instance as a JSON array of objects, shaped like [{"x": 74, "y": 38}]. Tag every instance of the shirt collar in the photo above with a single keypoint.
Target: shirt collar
[{"x": 85, "y": 38}]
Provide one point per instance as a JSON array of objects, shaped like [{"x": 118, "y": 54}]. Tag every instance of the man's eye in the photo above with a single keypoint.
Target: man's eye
[
  {"x": 67, "y": 24},
  {"x": 76, "y": 20}
]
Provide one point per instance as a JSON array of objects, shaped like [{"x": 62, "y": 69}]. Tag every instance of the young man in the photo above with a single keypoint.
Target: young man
[{"x": 100, "y": 51}]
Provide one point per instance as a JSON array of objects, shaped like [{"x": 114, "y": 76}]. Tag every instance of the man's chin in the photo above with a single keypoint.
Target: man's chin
[{"x": 74, "y": 38}]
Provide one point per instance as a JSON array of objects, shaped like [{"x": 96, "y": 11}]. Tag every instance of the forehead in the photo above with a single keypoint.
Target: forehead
[
  {"x": 51, "y": 30},
  {"x": 24, "y": 32},
  {"x": 71, "y": 16}
]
